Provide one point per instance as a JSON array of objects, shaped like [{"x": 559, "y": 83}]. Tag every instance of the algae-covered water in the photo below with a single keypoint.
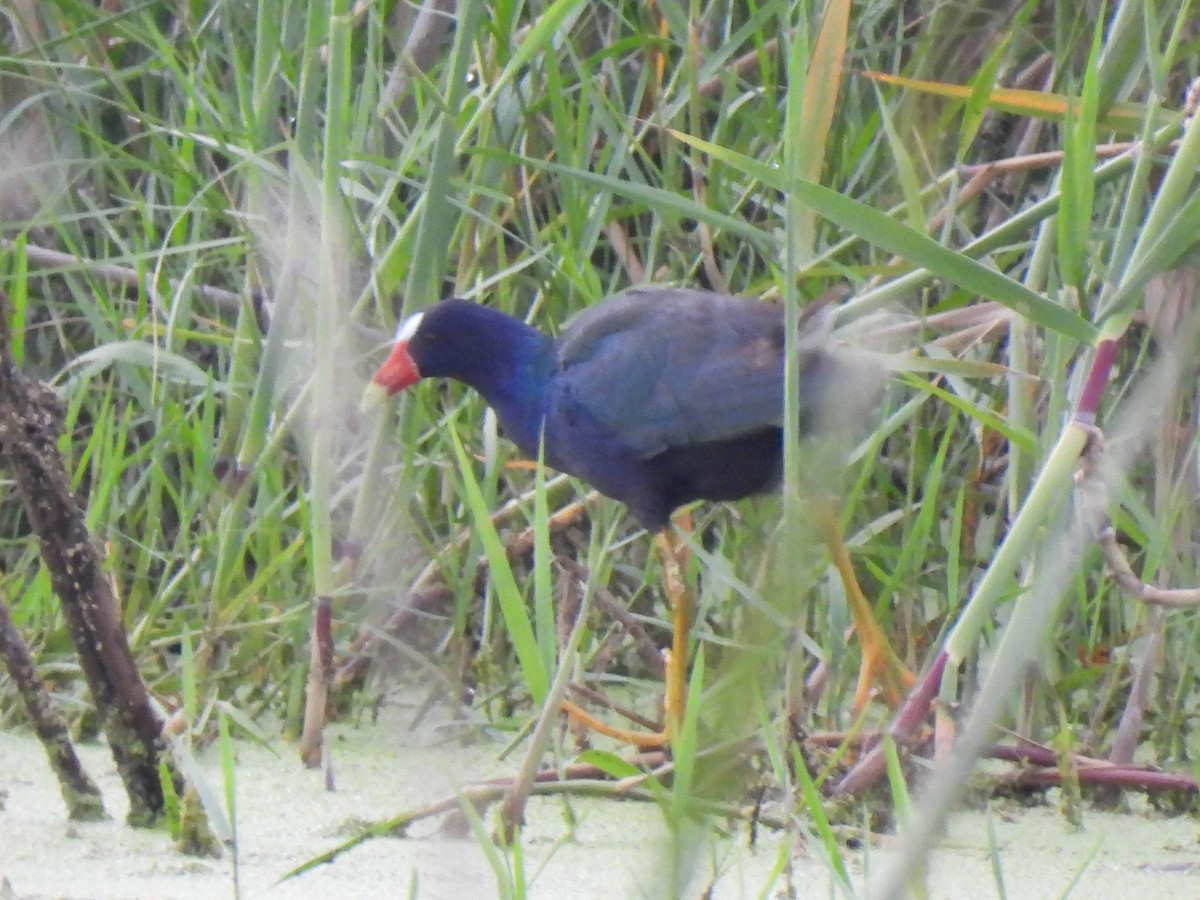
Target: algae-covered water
[{"x": 286, "y": 815}]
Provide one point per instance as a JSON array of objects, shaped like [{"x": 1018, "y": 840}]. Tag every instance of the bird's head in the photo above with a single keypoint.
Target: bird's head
[
  {"x": 450, "y": 339},
  {"x": 401, "y": 369}
]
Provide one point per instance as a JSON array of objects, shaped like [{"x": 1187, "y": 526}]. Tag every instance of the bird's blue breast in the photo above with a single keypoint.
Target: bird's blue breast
[
  {"x": 521, "y": 403},
  {"x": 578, "y": 441}
]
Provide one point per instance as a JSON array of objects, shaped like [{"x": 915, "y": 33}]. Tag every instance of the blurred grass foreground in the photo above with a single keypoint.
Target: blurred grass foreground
[{"x": 212, "y": 216}]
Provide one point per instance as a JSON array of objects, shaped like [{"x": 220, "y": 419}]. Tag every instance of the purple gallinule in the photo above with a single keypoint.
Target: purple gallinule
[{"x": 657, "y": 397}]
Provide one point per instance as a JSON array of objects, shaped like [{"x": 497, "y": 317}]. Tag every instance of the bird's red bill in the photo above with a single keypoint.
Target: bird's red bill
[{"x": 399, "y": 371}]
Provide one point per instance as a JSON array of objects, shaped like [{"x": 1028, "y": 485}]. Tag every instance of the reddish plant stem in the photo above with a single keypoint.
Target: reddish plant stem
[
  {"x": 873, "y": 765},
  {"x": 1094, "y": 772},
  {"x": 1133, "y": 777},
  {"x": 1096, "y": 381},
  {"x": 1125, "y": 743},
  {"x": 646, "y": 760},
  {"x": 916, "y": 708},
  {"x": 1028, "y": 754}
]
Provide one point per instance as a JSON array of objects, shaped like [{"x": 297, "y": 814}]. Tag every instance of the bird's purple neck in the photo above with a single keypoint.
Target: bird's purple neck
[{"x": 508, "y": 362}]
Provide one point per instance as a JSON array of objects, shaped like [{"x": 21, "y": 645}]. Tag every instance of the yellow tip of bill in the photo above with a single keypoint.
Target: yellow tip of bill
[{"x": 372, "y": 396}]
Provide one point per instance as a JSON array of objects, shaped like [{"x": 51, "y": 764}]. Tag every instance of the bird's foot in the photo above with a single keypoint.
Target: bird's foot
[
  {"x": 879, "y": 661},
  {"x": 643, "y": 740},
  {"x": 674, "y": 555},
  {"x": 880, "y": 664}
]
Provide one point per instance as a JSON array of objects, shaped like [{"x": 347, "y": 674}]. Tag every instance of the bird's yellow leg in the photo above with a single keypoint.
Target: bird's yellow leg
[
  {"x": 878, "y": 657},
  {"x": 674, "y": 561},
  {"x": 674, "y": 555}
]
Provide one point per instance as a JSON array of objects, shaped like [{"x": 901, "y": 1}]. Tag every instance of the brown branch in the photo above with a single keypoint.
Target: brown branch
[
  {"x": 601, "y": 699},
  {"x": 1034, "y": 161},
  {"x": 1123, "y": 575},
  {"x": 708, "y": 252},
  {"x": 429, "y": 586},
  {"x": 1092, "y": 490},
  {"x": 320, "y": 673},
  {"x": 739, "y": 68},
  {"x": 79, "y": 791},
  {"x": 647, "y": 649},
  {"x": 29, "y": 429},
  {"x": 618, "y": 239},
  {"x": 131, "y": 278}
]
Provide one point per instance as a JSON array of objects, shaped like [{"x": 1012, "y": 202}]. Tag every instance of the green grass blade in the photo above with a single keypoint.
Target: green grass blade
[
  {"x": 1078, "y": 178},
  {"x": 512, "y": 604},
  {"x": 917, "y": 248}
]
